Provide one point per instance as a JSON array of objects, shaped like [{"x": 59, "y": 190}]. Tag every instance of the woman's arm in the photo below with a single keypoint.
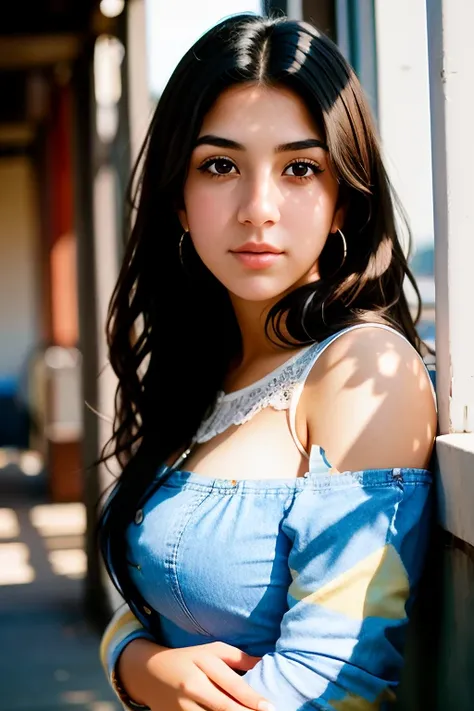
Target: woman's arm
[
  {"x": 146, "y": 675},
  {"x": 121, "y": 631},
  {"x": 358, "y": 537}
]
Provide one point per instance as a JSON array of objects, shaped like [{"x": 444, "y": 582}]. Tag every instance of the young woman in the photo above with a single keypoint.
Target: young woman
[{"x": 275, "y": 421}]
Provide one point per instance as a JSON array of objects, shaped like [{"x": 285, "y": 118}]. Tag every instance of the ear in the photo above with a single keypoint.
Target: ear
[
  {"x": 183, "y": 219},
  {"x": 339, "y": 219}
]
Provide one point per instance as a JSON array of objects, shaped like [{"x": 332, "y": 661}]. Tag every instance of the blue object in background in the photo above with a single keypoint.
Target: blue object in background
[
  {"x": 8, "y": 386},
  {"x": 426, "y": 331},
  {"x": 14, "y": 420}
]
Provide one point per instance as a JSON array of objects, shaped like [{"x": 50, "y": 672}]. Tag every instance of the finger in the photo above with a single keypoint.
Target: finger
[
  {"x": 217, "y": 671},
  {"x": 202, "y": 693},
  {"x": 211, "y": 698},
  {"x": 234, "y": 657},
  {"x": 245, "y": 664},
  {"x": 197, "y": 691}
]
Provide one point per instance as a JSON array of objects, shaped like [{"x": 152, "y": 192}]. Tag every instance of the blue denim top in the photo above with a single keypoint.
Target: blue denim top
[{"x": 315, "y": 574}]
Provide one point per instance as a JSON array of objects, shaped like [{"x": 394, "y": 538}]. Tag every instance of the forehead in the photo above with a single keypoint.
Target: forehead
[{"x": 250, "y": 112}]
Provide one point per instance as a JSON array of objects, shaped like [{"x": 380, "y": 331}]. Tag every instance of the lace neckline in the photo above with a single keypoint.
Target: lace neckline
[
  {"x": 223, "y": 396},
  {"x": 273, "y": 390}
]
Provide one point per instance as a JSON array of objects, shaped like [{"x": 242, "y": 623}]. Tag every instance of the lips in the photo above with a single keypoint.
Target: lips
[
  {"x": 254, "y": 248},
  {"x": 257, "y": 256}
]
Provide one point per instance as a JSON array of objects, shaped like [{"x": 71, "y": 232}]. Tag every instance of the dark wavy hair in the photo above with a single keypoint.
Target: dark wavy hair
[{"x": 172, "y": 333}]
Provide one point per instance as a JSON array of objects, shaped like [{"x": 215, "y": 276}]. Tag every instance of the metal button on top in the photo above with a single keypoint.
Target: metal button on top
[
  {"x": 139, "y": 517},
  {"x": 233, "y": 482},
  {"x": 146, "y": 610}
]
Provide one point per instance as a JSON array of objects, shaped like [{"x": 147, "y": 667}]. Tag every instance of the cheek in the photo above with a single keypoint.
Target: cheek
[
  {"x": 308, "y": 215},
  {"x": 206, "y": 210},
  {"x": 208, "y": 218}
]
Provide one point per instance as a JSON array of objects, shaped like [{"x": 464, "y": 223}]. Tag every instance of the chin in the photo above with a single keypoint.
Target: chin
[{"x": 256, "y": 290}]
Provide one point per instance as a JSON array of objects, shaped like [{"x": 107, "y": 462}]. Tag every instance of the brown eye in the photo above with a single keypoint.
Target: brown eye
[
  {"x": 219, "y": 166},
  {"x": 302, "y": 169}
]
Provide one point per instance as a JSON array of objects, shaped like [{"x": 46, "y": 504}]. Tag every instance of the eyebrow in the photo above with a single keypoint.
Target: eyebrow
[{"x": 219, "y": 142}]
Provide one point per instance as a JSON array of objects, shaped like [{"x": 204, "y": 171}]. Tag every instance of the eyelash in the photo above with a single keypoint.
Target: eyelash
[{"x": 204, "y": 168}]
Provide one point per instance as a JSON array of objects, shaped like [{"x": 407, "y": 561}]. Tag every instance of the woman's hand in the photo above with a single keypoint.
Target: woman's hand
[{"x": 190, "y": 678}]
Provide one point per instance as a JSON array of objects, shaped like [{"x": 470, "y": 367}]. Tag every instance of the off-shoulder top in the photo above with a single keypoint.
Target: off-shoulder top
[{"x": 314, "y": 574}]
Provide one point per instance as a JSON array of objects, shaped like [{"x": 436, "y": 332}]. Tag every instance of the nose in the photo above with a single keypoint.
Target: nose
[{"x": 259, "y": 203}]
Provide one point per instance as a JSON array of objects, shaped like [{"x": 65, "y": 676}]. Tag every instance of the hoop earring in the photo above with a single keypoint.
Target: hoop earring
[
  {"x": 344, "y": 256},
  {"x": 180, "y": 248},
  {"x": 322, "y": 312},
  {"x": 306, "y": 306},
  {"x": 308, "y": 301},
  {"x": 344, "y": 248}
]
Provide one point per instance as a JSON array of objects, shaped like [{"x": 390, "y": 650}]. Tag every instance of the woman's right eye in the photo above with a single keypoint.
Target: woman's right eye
[{"x": 218, "y": 166}]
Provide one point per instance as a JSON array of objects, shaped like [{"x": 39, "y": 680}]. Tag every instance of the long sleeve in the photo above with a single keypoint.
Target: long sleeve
[
  {"x": 121, "y": 630},
  {"x": 358, "y": 546}
]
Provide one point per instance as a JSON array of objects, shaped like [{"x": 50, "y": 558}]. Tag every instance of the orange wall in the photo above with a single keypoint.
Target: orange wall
[
  {"x": 19, "y": 290},
  {"x": 62, "y": 263}
]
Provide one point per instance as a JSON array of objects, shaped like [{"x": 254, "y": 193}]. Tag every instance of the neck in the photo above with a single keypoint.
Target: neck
[{"x": 251, "y": 318}]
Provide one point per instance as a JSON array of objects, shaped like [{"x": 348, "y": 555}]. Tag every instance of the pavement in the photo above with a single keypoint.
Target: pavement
[{"x": 48, "y": 649}]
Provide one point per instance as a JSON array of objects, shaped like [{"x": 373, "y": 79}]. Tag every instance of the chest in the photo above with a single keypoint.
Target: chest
[
  {"x": 262, "y": 448},
  {"x": 213, "y": 561},
  {"x": 255, "y": 432}
]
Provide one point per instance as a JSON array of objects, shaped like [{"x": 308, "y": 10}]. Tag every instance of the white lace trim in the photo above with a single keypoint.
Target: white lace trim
[{"x": 274, "y": 390}]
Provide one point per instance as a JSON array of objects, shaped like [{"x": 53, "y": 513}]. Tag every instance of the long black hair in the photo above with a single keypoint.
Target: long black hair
[{"x": 171, "y": 331}]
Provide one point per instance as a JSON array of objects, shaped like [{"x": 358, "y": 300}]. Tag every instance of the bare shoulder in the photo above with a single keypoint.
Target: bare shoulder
[{"x": 368, "y": 402}]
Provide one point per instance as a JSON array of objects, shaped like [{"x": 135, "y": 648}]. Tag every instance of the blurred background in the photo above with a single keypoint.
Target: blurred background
[{"x": 78, "y": 83}]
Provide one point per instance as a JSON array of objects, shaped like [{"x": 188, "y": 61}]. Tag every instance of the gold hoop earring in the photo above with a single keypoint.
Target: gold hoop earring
[{"x": 344, "y": 247}]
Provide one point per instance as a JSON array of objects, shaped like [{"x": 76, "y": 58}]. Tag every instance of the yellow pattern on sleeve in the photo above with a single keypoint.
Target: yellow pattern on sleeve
[{"x": 376, "y": 586}]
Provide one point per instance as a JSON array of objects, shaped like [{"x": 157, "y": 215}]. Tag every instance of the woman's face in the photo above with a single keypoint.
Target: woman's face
[{"x": 260, "y": 197}]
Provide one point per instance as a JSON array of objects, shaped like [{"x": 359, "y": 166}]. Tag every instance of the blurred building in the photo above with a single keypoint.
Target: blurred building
[{"x": 61, "y": 126}]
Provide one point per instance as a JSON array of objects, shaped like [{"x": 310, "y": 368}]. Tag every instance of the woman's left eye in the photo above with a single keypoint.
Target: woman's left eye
[{"x": 302, "y": 169}]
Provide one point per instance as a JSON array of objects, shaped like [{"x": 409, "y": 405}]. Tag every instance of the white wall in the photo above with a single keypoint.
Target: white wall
[
  {"x": 404, "y": 107},
  {"x": 19, "y": 295}
]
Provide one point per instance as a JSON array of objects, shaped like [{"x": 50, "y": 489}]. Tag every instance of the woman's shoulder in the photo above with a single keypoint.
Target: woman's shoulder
[{"x": 369, "y": 403}]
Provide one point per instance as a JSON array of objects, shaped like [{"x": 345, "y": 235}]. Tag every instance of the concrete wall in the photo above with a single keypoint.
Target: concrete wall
[{"x": 19, "y": 266}]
